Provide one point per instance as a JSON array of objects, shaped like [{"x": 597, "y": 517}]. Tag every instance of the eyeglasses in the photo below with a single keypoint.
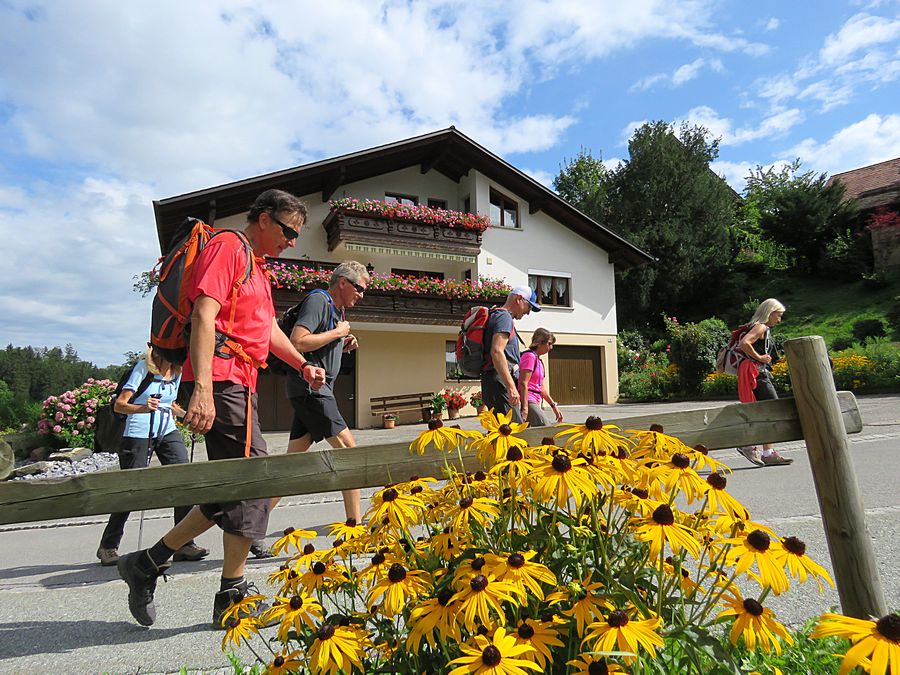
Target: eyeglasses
[
  {"x": 359, "y": 289},
  {"x": 289, "y": 232}
]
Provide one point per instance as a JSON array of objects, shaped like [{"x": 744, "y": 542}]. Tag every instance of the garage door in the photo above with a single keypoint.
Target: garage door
[{"x": 575, "y": 375}]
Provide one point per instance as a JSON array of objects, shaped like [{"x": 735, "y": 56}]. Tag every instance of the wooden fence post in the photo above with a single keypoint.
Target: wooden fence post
[{"x": 849, "y": 544}]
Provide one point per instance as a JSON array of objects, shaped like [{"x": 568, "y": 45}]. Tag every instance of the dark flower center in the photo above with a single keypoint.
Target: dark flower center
[
  {"x": 513, "y": 454},
  {"x": 343, "y": 621},
  {"x": 308, "y": 549},
  {"x": 466, "y": 502},
  {"x": 656, "y": 428},
  {"x": 325, "y": 632},
  {"x": 663, "y": 515},
  {"x": 481, "y": 630},
  {"x": 416, "y": 489},
  {"x": 288, "y": 530},
  {"x": 889, "y": 627},
  {"x": 717, "y": 481},
  {"x": 504, "y": 430},
  {"x": 278, "y": 662},
  {"x": 593, "y": 423},
  {"x": 759, "y": 540},
  {"x": 293, "y": 575},
  {"x": 378, "y": 558},
  {"x": 396, "y": 573},
  {"x": 598, "y": 668},
  {"x": 702, "y": 449},
  {"x": 389, "y": 495},
  {"x": 516, "y": 560},
  {"x": 622, "y": 453},
  {"x": 681, "y": 460},
  {"x": 296, "y": 602},
  {"x": 479, "y": 583},
  {"x": 434, "y": 424},
  {"x": 794, "y": 545},
  {"x": 284, "y": 567},
  {"x": 562, "y": 463},
  {"x": 318, "y": 567},
  {"x": 753, "y": 607},
  {"x": 526, "y": 632},
  {"x": 547, "y": 440},
  {"x": 232, "y": 622},
  {"x": 490, "y": 656},
  {"x": 507, "y": 493},
  {"x": 640, "y": 493},
  {"x": 444, "y": 596},
  {"x": 480, "y": 475},
  {"x": 350, "y": 522},
  {"x": 617, "y": 619},
  {"x": 478, "y": 563}
]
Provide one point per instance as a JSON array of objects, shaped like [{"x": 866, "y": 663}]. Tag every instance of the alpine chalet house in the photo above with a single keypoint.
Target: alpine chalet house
[{"x": 430, "y": 265}]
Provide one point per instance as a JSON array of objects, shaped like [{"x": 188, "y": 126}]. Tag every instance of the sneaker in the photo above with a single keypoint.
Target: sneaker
[
  {"x": 751, "y": 454},
  {"x": 775, "y": 459},
  {"x": 140, "y": 573},
  {"x": 260, "y": 551},
  {"x": 108, "y": 556},
  {"x": 231, "y": 596},
  {"x": 191, "y": 552}
]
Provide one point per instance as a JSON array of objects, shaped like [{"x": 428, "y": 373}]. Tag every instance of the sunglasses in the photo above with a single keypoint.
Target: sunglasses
[
  {"x": 359, "y": 289},
  {"x": 289, "y": 232}
]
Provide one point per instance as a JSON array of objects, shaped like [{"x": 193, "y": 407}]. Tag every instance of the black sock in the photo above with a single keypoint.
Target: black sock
[
  {"x": 227, "y": 583},
  {"x": 160, "y": 553}
]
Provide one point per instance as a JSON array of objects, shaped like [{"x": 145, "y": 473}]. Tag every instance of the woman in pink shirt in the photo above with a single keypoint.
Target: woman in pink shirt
[{"x": 532, "y": 387}]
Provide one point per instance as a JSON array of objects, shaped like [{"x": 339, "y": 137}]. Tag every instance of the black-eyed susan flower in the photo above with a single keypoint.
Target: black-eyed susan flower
[
  {"x": 335, "y": 649},
  {"x": 755, "y": 623},
  {"x": 519, "y": 569},
  {"x": 878, "y": 641},
  {"x": 494, "y": 445},
  {"x": 560, "y": 477},
  {"x": 378, "y": 566},
  {"x": 292, "y": 613},
  {"x": 499, "y": 655},
  {"x": 285, "y": 663},
  {"x": 285, "y": 579},
  {"x": 588, "y": 604},
  {"x": 793, "y": 556},
  {"x": 719, "y": 500},
  {"x": 245, "y": 607},
  {"x": 515, "y": 466},
  {"x": 445, "y": 543},
  {"x": 700, "y": 458},
  {"x": 399, "y": 587},
  {"x": 619, "y": 631},
  {"x": 469, "y": 510},
  {"x": 688, "y": 585},
  {"x": 482, "y": 598},
  {"x": 637, "y": 500},
  {"x": 441, "y": 437},
  {"x": 398, "y": 509},
  {"x": 347, "y": 530},
  {"x": 758, "y": 547},
  {"x": 661, "y": 528},
  {"x": 434, "y": 620},
  {"x": 591, "y": 664},
  {"x": 654, "y": 444},
  {"x": 678, "y": 474},
  {"x": 540, "y": 635},
  {"x": 593, "y": 436},
  {"x": 292, "y": 538},
  {"x": 238, "y": 628},
  {"x": 321, "y": 575}
]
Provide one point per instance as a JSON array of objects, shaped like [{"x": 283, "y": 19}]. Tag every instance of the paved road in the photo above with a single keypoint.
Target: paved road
[{"x": 61, "y": 612}]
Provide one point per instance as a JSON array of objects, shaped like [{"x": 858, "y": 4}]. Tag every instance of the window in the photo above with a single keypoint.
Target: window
[
  {"x": 467, "y": 204},
  {"x": 418, "y": 274},
  {"x": 452, "y": 370},
  {"x": 504, "y": 211},
  {"x": 553, "y": 291},
  {"x": 437, "y": 203},
  {"x": 397, "y": 198}
]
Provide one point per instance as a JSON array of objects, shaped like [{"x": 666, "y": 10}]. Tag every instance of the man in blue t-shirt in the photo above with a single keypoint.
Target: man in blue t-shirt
[{"x": 499, "y": 390}]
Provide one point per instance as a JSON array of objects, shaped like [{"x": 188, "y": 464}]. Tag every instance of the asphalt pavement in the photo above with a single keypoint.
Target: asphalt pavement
[{"x": 61, "y": 612}]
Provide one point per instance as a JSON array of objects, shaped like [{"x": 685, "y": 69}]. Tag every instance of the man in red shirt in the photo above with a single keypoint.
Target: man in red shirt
[{"x": 223, "y": 403}]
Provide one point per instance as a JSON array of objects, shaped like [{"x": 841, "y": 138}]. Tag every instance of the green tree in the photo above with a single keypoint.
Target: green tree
[
  {"x": 800, "y": 211},
  {"x": 666, "y": 200},
  {"x": 582, "y": 183}
]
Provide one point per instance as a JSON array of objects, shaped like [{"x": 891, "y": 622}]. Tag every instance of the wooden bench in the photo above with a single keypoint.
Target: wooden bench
[{"x": 382, "y": 405}]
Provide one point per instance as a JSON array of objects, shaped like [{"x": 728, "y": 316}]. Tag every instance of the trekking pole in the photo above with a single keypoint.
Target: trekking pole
[{"x": 149, "y": 457}]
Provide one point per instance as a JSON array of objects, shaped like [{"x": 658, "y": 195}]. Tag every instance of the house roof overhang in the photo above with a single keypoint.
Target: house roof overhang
[{"x": 447, "y": 151}]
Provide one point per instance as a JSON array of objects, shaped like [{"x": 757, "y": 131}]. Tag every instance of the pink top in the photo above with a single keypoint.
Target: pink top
[{"x": 530, "y": 361}]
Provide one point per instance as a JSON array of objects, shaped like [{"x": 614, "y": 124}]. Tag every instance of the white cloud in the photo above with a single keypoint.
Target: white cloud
[
  {"x": 772, "y": 24},
  {"x": 681, "y": 75},
  {"x": 735, "y": 173},
  {"x": 773, "y": 126},
  {"x": 859, "y": 32},
  {"x": 873, "y": 139}
]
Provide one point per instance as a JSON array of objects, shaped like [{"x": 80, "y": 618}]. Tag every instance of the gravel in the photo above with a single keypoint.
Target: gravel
[{"x": 99, "y": 461}]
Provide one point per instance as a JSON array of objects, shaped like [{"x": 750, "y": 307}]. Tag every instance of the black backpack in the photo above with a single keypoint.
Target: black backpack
[{"x": 286, "y": 324}]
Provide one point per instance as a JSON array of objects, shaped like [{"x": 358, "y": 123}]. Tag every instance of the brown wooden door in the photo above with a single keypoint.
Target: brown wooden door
[
  {"x": 275, "y": 412},
  {"x": 575, "y": 375}
]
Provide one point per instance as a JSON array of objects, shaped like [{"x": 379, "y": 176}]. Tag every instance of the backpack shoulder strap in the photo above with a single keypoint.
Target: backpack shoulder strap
[
  {"x": 145, "y": 383},
  {"x": 239, "y": 281},
  {"x": 334, "y": 317}
]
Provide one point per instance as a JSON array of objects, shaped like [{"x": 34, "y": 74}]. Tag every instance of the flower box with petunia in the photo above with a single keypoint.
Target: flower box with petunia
[{"x": 413, "y": 213}]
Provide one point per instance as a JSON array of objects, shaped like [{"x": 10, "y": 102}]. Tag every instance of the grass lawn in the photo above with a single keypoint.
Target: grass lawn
[{"x": 828, "y": 308}]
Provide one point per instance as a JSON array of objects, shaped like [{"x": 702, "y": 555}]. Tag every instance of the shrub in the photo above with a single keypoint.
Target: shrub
[
  {"x": 781, "y": 377},
  {"x": 631, "y": 350},
  {"x": 654, "y": 380},
  {"x": 893, "y": 317},
  {"x": 852, "y": 372},
  {"x": 719, "y": 384},
  {"x": 694, "y": 347},
  {"x": 70, "y": 418},
  {"x": 868, "y": 328},
  {"x": 841, "y": 343},
  {"x": 16, "y": 411}
]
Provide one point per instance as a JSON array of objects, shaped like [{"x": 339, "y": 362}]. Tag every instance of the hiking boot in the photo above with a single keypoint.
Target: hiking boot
[
  {"x": 140, "y": 573},
  {"x": 108, "y": 556},
  {"x": 751, "y": 454},
  {"x": 232, "y": 596},
  {"x": 774, "y": 459},
  {"x": 260, "y": 551},
  {"x": 190, "y": 552}
]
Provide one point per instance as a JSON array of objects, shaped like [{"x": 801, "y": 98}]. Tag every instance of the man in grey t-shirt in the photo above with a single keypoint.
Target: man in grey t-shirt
[{"x": 322, "y": 335}]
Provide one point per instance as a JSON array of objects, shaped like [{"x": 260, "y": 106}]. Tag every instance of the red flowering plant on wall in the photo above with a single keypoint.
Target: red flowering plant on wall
[
  {"x": 414, "y": 213},
  {"x": 883, "y": 219}
]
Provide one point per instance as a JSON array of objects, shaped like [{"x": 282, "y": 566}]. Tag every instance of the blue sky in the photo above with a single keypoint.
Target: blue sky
[{"x": 105, "y": 106}]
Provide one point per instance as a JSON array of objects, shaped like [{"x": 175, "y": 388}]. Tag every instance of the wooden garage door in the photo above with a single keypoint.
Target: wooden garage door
[{"x": 575, "y": 375}]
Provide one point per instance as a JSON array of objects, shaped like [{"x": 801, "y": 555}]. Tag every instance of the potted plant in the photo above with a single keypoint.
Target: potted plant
[
  {"x": 477, "y": 402},
  {"x": 438, "y": 403},
  {"x": 389, "y": 420},
  {"x": 454, "y": 401}
]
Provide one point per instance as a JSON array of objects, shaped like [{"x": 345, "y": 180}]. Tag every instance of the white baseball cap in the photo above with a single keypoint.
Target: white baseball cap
[{"x": 530, "y": 295}]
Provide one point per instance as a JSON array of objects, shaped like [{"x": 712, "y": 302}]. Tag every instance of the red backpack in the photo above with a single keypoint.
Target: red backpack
[
  {"x": 730, "y": 357},
  {"x": 470, "y": 342}
]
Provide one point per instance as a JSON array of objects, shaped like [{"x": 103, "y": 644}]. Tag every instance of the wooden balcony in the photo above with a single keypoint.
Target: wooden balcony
[{"x": 345, "y": 226}]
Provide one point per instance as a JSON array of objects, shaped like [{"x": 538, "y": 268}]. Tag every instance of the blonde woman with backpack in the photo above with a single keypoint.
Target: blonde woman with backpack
[{"x": 755, "y": 373}]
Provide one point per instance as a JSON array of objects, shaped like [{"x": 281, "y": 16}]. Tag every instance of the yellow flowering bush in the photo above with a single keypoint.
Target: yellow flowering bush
[
  {"x": 853, "y": 371},
  {"x": 719, "y": 384},
  {"x": 598, "y": 550}
]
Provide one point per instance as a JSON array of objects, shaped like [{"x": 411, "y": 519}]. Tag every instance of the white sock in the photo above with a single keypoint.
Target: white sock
[{"x": 769, "y": 452}]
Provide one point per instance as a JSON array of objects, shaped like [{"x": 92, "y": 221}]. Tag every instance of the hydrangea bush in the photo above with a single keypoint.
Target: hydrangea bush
[{"x": 71, "y": 417}]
